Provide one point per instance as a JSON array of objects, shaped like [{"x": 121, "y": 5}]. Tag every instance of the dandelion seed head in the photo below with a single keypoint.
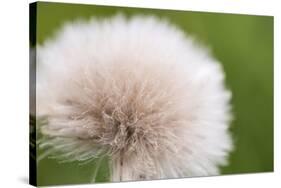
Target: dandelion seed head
[{"x": 137, "y": 90}]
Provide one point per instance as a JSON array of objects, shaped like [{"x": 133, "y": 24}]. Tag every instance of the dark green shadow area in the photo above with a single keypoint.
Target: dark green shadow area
[{"x": 53, "y": 172}]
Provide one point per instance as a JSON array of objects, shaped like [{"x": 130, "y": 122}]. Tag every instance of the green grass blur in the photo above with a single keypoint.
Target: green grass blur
[{"x": 242, "y": 43}]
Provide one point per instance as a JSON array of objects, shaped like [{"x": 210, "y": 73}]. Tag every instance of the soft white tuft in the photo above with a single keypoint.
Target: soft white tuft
[{"x": 137, "y": 90}]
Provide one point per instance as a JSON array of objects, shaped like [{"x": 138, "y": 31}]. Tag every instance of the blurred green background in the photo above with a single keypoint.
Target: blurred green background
[{"x": 242, "y": 43}]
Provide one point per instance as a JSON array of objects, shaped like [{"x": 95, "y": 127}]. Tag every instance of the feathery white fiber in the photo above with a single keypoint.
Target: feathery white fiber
[{"x": 137, "y": 90}]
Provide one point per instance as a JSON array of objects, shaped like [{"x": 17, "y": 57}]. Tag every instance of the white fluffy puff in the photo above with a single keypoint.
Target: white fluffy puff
[{"x": 136, "y": 90}]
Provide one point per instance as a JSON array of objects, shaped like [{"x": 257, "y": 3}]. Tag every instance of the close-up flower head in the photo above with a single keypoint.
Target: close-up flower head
[{"x": 138, "y": 91}]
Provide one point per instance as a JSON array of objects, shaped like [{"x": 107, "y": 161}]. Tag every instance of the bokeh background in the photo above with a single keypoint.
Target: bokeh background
[{"x": 244, "y": 46}]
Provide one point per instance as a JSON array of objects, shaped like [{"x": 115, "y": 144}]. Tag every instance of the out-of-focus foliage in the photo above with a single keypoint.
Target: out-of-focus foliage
[{"x": 242, "y": 43}]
